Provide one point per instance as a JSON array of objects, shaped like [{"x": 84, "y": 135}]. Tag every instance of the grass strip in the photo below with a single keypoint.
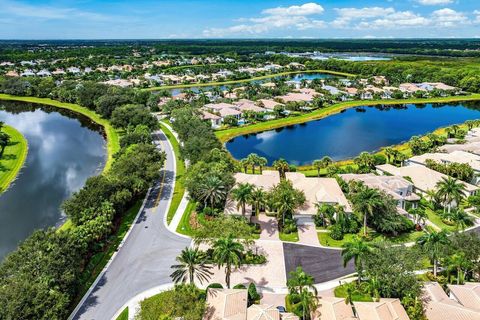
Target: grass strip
[
  {"x": 112, "y": 136},
  {"x": 123, "y": 315},
  {"x": 179, "y": 189},
  {"x": 222, "y": 83},
  {"x": 13, "y": 157},
  {"x": 184, "y": 226}
]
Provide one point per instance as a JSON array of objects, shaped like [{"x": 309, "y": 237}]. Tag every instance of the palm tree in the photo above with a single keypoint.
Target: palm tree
[
  {"x": 358, "y": 250},
  {"x": 419, "y": 216},
  {"x": 366, "y": 201},
  {"x": 461, "y": 219},
  {"x": 389, "y": 152},
  {"x": 433, "y": 242},
  {"x": 242, "y": 193},
  {"x": 244, "y": 163},
  {"x": 448, "y": 131},
  {"x": 252, "y": 159},
  {"x": 317, "y": 164},
  {"x": 459, "y": 263},
  {"x": 282, "y": 166},
  {"x": 213, "y": 191},
  {"x": 227, "y": 252},
  {"x": 262, "y": 162},
  {"x": 258, "y": 199},
  {"x": 301, "y": 285},
  {"x": 192, "y": 264},
  {"x": 450, "y": 189},
  {"x": 326, "y": 161}
]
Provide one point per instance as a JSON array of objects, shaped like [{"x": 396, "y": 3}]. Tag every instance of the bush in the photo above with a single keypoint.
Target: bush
[
  {"x": 239, "y": 286},
  {"x": 214, "y": 286},
  {"x": 336, "y": 232},
  {"x": 253, "y": 296},
  {"x": 290, "y": 226},
  {"x": 252, "y": 258},
  {"x": 379, "y": 159}
]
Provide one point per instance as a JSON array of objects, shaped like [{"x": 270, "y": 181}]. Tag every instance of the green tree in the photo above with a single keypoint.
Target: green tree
[
  {"x": 450, "y": 190},
  {"x": 365, "y": 202},
  {"x": 242, "y": 193},
  {"x": 227, "y": 253},
  {"x": 212, "y": 191},
  {"x": 258, "y": 199},
  {"x": 4, "y": 141},
  {"x": 356, "y": 250},
  {"x": 192, "y": 263},
  {"x": 433, "y": 243},
  {"x": 262, "y": 162},
  {"x": 282, "y": 166}
]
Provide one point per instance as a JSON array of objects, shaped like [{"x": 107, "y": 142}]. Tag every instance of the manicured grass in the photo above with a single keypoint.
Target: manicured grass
[
  {"x": 341, "y": 292},
  {"x": 99, "y": 260},
  {"x": 184, "y": 226},
  {"x": 113, "y": 140},
  {"x": 221, "y": 83},
  {"x": 325, "y": 240},
  {"x": 13, "y": 157},
  {"x": 292, "y": 237},
  {"x": 227, "y": 134},
  {"x": 437, "y": 220},
  {"x": 123, "y": 315},
  {"x": 179, "y": 189}
]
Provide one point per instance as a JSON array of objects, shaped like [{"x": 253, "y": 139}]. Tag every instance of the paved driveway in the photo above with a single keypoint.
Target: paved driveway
[
  {"x": 323, "y": 264},
  {"x": 144, "y": 260}
]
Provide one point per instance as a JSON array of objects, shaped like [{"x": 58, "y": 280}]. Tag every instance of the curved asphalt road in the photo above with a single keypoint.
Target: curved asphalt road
[{"x": 145, "y": 258}]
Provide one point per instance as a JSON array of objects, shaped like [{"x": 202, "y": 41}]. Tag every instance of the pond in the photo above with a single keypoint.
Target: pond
[
  {"x": 345, "y": 135},
  {"x": 298, "y": 77},
  {"x": 64, "y": 149}
]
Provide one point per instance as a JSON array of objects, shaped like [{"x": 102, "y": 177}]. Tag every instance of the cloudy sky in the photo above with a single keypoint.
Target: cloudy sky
[{"x": 121, "y": 19}]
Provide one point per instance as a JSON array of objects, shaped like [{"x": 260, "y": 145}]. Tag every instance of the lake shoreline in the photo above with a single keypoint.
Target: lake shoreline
[{"x": 20, "y": 151}]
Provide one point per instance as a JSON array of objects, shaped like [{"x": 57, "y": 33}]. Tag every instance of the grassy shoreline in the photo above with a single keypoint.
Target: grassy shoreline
[
  {"x": 112, "y": 136},
  {"x": 220, "y": 83},
  {"x": 17, "y": 150},
  {"x": 228, "y": 134}
]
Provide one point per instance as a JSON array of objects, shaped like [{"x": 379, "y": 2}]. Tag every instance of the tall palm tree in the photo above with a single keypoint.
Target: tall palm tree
[
  {"x": 357, "y": 249},
  {"x": 365, "y": 202},
  {"x": 433, "y": 242},
  {"x": 252, "y": 158},
  {"x": 317, "y": 164},
  {"x": 227, "y": 252},
  {"x": 282, "y": 166},
  {"x": 450, "y": 189},
  {"x": 213, "y": 191},
  {"x": 326, "y": 161},
  {"x": 301, "y": 285},
  {"x": 192, "y": 263},
  {"x": 262, "y": 162},
  {"x": 258, "y": 199},
  {"x": 460, "y": 264},
  {"x": 461, "y": 219},
  {"x": 389, "y": 153},
  {"x": 242, "y": 193},
  {"x": 244, "y": 163}
]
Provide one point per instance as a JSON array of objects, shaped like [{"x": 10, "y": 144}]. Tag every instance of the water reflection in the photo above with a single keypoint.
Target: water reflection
[{"x": 63, "y": 152}]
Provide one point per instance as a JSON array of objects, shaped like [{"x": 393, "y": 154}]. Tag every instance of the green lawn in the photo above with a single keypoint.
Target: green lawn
[
  {"x": 325, "y": 240},
  {"x": 292, "y": 237},
  {"x": 123, "y": 315},
  {"x": 209, "y": 84},
  {"x": 113, "y": 140},
  {"x": 179, "y": 189},
  {"x": 341, "y": 292},
  {"x": 227, "y": 134},
  {"x": 437, "y": 220},
  {"x": 99, "y": 260},
  {"x": 13, "y": 157},
  {"x": 184, "y": 225}
]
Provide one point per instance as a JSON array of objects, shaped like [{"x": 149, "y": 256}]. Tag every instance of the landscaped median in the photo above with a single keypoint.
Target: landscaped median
[
  {"x": 179, "y": 189},
  {"x": 228, "y": 134},
  {"x": 13, "y": 157},
  {"x": 222, "y": 83},
  {"x": 112, "y": 136}
]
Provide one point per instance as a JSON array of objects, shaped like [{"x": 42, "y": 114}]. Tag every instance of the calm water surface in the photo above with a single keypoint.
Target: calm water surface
[
  {"x": 63, "y": 151},
  {"x": 346, "y": 134}
]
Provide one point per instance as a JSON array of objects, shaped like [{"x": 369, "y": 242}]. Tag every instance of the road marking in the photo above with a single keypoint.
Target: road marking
[{"x": 163, "y": 178}]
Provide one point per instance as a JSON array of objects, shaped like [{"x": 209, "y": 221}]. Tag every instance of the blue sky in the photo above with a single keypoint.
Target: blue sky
[{"x": 109, "y": 19}]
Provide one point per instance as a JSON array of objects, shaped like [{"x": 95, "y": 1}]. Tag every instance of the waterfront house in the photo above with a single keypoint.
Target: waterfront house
[
  {"x": 215, "y": 121},
  {"x": 269, "y": 104},
  {"x": 397, "y": 187},
  {"x": 423, "y": 178}
]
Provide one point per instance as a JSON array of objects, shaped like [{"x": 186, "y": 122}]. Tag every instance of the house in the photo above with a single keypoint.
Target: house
[
  {"x": 439, "y": 306},
  {"x": 331, "y": 308},
  {"x": 248, "y": 105},
  {"x": 398, "y": 187},
  {"x": 468, "y": 295},
  {"x": 316, "y": 190},
  {"x": 73, "y": 70},
  {"x": 458, "y": 156},
  {"x": 269, "y": 104},
  {"x": 472, "y": 147},
  {"x": 12, "y": 73},
  {"x": 215, "y": 121},
  {"x": 410, "y": 88},
  {"x": 44, "y": 73},
  {"x": 119, "y": 83},
  {"x": 58, "y": 72},
  {"x": 268, "y": 85},
  {"x": 296, "y": 66},
  {"x": 331, "y": 89},
  {"x": 380, "y": 80},
  {"x": 27, "y": 73},
  {"x": 423, "y": 178},
  {"x": 352, "y": 92},
  {"x": 232, "y": 304}
]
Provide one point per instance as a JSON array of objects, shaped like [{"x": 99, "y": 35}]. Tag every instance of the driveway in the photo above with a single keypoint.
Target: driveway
[
  {"x": 321, "y": 263},
  {"x": 268, "y": 227},
  {"x": 307, "y": 234},
  {"x": 144, "y": 260}
]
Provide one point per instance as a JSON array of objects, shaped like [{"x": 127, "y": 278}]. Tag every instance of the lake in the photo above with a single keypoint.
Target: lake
[
  {"x": 298, "y": 77},
  {"x": 64, "y": 149},
  {"x": 345, "y": 135}
]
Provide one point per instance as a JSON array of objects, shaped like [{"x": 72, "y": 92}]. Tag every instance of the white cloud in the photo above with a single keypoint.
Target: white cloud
[
  {"x": 477, "y": 16},
  {"x": 346, "y": 15},
  {"x": 434, "y": 2},
  {"x": 293, "y": 17},
  {"x": 400, "y": 19},
  {"x": 303, "y": 10},
  {"x": 448, "y": 18}
]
